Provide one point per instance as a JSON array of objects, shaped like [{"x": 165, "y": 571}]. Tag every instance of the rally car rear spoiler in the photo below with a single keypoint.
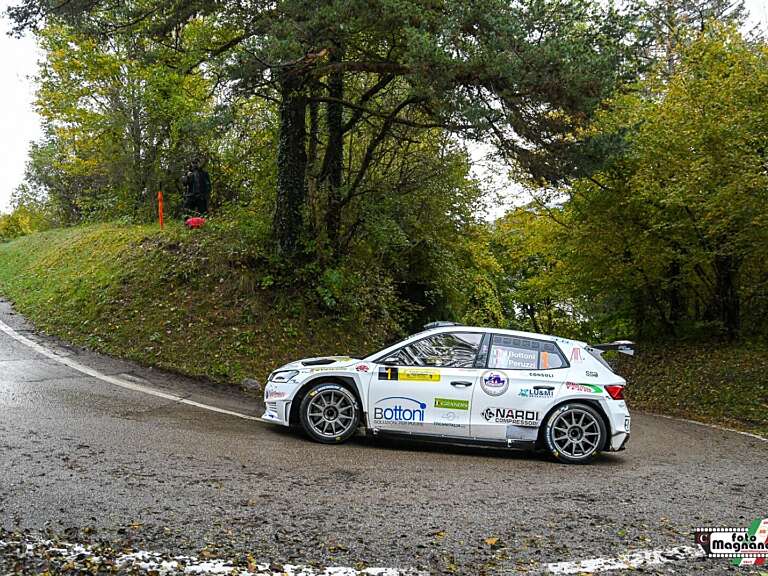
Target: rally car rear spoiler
[{"x": 623, "y": 346}]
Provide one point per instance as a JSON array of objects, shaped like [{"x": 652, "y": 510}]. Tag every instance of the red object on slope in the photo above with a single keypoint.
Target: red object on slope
[{"x": 195, "y": 222}]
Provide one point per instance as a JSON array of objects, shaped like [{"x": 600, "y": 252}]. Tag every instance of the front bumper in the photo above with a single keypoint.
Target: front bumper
[{"x": 277, "y": 412}]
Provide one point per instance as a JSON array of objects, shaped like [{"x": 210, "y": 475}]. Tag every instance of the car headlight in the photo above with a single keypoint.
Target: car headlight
[{"x": 282, "y": 376}]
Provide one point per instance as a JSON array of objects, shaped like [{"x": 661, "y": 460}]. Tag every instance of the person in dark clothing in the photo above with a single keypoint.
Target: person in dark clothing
[{"x": 197, "y": 190}]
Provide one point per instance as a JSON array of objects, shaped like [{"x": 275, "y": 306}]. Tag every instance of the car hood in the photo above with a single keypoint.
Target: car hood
[{"x": 324, "y": 362}]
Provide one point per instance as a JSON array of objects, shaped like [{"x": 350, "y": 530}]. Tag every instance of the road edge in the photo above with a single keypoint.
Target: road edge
[{"x": 114, "y": 380}]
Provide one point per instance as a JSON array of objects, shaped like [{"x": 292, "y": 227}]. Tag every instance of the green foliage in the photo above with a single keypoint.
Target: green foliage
[
  {"x": 120, "y": 121},
  {"x": 29, "y": 214},
  {"x": 666, "y": 239},
  {"x": 676, "y": 221}
]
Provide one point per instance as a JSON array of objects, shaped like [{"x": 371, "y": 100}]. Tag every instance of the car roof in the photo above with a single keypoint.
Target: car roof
[{"x": 518, "y": 333}]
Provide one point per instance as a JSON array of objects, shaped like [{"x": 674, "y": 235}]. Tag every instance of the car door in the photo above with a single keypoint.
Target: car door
[
  {"x": 425, "y": 387},
  {"x": 522, "y": 380}
]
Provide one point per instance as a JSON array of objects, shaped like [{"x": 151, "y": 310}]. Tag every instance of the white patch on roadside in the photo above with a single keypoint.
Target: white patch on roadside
[
  {"x": 158, "y": 564},
  {"x": 628, "y": 561},
  {"x": 121, "y": 382}
]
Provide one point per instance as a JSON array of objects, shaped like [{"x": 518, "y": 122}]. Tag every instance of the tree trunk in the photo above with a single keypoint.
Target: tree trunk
[
  {"x": 333, "y": 163},
  {"x": 287, "y": 224},
  {"x": 726, "y": 270},
  {"x": 313, "y": 170},
  {"x": 674, "y": 295}
]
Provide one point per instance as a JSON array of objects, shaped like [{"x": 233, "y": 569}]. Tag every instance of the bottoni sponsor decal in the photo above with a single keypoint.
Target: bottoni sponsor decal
[
  {"x": 586, "y": 388},
  {"x": 362, "y": 368},
  {"x": 511, "y": 416},
  {"x": 494, "y": 383},
  {"x": 399, "y": 410}
]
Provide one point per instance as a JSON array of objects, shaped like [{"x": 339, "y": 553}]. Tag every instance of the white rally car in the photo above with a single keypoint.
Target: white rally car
[{"x": 463, "y": 385}]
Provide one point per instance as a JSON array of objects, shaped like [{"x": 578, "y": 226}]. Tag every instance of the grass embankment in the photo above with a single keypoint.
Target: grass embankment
[
  {"x": 718, "y": 383},
  {"x": 207, "y": 303},
  {"x": 201, "y": 302}
]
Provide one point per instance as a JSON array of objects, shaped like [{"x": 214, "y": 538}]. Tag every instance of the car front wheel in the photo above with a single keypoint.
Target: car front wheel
[
  {"x": 329, "y": 413},
  {"x": 575, "y": 433}
]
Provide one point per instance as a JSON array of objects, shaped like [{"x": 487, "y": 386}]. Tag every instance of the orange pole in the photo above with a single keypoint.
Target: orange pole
[{"x": 160, "y": 208}]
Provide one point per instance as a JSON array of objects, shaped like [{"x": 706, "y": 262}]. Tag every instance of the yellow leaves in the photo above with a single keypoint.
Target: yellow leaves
[{"x": 492, "y": 541}]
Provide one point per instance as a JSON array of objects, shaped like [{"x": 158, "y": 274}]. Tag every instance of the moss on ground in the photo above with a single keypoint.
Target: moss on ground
[{"x": 202, "y": 303}]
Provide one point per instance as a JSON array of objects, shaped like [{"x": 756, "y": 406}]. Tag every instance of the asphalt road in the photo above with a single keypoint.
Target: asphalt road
[{"x": 85, "y": 461}]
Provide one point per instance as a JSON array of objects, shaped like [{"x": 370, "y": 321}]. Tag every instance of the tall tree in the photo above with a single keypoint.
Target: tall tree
[
  {"x": 522, "y": 74},
  {"x": 119, "y": 122},
  {"x": 672, "y": 228}
]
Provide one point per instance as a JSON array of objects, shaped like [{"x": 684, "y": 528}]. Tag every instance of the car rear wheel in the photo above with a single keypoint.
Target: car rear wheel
[
  {"x": 575, "y": 433},
  {"x": 329, "y": 413}
]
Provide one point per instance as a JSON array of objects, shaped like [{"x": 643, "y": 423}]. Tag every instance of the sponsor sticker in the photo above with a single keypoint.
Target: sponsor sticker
[
  {"x": 575, "y": 355},
  {"x": 536, "y": 392},
  {"x": 362, "y": 368},
  {"x": 511, "y": 416},
  {"x": 324, "y": 369},
  {"x": 399, "y": 410},
  {"x": 409, "y": 374},
  {"x": 447, "y": 420},
  {"x": 746, "y": 546},
  {"x": 270, "y": 393},
  {"x": 592, "y": 374},
  {"x": 586, "y": 388},
  {"x": 494, "y": 383},
  {"x": 541, "y": 374},
  {"x": 452, "y": 403}
]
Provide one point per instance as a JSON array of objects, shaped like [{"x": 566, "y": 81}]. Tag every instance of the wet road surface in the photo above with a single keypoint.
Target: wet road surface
[{"x": 85, "y": 460}]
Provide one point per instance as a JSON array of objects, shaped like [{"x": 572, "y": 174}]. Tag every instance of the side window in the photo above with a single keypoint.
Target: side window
[
  {"x": 550, "y": 357},
  {"x": 513, "y": 353},
  {"x": 449, "y": 349}
]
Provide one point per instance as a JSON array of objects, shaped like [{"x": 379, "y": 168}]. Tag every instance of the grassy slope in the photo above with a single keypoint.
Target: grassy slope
[
  {"x": 189, "y": 301},
  {"x": 197, "y": 303},
  {"x": 718, "y": 383}
]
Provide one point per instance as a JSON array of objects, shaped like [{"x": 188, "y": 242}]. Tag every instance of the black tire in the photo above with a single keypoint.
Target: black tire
[
  {"x": 329, "y": 413},
  {"x": 575, "y": 433}
]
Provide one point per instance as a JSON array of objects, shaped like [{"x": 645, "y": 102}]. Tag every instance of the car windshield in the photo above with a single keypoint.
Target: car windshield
[{"x": 394, "y": 343}]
